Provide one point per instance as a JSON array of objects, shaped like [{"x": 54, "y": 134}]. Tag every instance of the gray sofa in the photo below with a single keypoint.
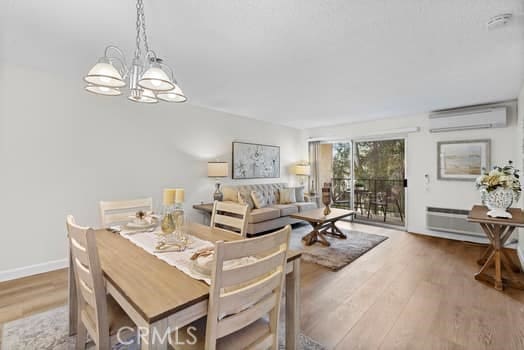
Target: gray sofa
[{"x": 273, "y": 216}]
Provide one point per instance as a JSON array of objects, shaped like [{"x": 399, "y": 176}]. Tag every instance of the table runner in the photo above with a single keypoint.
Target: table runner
[{"x": 181, "y": 260}]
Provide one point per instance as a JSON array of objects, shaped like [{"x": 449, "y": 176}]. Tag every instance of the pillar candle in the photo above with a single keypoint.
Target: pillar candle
[
  {"x": 169, "y": 196},
  {"x": 179, "y": 198}
]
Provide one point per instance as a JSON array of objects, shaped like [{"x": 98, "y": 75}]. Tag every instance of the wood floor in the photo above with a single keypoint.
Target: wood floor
[{"x": 410, "y": 292}]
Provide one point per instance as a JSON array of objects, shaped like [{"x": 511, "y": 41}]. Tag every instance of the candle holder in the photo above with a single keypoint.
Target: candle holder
[
  {"x": 179, "y": 222},
  {"x": 168, "y": 223}
]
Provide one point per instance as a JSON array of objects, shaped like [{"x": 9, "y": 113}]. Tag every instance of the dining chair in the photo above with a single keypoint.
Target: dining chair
[
  {"x": 396, "y": 193},
  {"x": 230, "y": 217},
  {"x": 244, "y": 298},
  {"x": 118, "y": 212},
  {"x": 97, "y": 313},
  {"x": 380, "y": 200}
]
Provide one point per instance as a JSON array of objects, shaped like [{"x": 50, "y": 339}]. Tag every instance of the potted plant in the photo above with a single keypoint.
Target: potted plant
[{"x": 499, "y": 189}]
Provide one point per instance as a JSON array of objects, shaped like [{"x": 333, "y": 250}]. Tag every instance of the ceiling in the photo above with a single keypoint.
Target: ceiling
[{"x": 303, "y": 63}]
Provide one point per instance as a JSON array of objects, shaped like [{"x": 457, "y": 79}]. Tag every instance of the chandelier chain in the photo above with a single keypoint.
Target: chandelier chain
[
  {"x": 143, "y": 20},
  {"x": 139, "y": 5}
]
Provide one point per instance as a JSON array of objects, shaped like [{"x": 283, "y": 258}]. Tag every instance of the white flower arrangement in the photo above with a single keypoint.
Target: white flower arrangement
[{"x": 506, "y": 177}]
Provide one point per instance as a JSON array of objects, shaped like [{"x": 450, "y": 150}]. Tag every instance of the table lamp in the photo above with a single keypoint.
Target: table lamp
[
  {"x": 217, "y": 170},
  {"x": 302, "y": 171}
]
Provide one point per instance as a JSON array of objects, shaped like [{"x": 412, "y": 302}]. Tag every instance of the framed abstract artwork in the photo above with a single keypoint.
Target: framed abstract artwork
[
  {"x": 462, "y": 160},
  {"x": 255, "y": 161}
]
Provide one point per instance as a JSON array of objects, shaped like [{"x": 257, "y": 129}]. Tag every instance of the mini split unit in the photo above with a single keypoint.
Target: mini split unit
[{"x": 468, "y": 119}]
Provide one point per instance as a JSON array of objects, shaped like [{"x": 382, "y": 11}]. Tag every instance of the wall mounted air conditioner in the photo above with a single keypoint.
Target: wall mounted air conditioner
[{"x": 468, "y": 119}]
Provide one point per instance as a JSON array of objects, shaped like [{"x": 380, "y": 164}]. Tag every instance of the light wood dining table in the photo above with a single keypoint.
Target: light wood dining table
[{"x": 158, "y": 296}]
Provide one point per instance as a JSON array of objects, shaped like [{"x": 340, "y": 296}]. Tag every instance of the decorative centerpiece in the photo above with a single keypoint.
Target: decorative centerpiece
[
  {"x": 167, "y": 223},
  {"x": 499, "y": 189},
  {"x": 326, "y": 199}
]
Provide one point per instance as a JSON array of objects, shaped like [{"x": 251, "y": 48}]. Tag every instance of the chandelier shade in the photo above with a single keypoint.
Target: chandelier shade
[
  {"x": 143, "y": 96},
  {"x": 105, "y": 74},
  {"x": 174, "y": 95},
  {"x": 156, "y": 79},
  {"x": 103, "y": 90}
]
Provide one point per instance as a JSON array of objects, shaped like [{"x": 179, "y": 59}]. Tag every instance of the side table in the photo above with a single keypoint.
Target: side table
[
  {"x": 206, "y": 209},
  {"x": 498, "y": 232}
]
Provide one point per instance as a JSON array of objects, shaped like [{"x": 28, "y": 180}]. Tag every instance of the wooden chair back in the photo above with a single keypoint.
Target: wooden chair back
[
  {"x": 241, "y": 294},
  {"x": 118, "y": 212},
  {"x": 230, "y": 216},
  {"x": 91, "y": 293}
]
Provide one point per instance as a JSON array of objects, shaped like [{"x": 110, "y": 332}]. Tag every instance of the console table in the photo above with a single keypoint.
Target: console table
[
  {"x": 206, "y": 209},
  {"x": 498, "y": 232}
]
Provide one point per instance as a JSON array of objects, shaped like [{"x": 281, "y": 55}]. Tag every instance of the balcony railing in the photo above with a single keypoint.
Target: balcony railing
[{"x": 372, "y": 196}]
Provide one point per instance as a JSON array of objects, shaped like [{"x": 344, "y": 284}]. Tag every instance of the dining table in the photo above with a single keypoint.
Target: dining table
[{"x": 159, "y": 297}]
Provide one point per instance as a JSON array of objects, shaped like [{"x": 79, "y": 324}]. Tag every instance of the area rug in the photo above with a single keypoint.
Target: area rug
[
  {"x": 340, "y": 253},
  {"x": 48, "y": 331}
]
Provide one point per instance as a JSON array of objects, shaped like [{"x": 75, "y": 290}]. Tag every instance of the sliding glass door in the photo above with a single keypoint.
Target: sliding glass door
[
  {"x": 367, "y": 176},
  {"x": 379, "y": 168}
]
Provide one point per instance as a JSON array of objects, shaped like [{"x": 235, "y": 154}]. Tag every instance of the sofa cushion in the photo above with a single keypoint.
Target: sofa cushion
[
  {"x": 286, "y": 209},
  {"x": 299, "y": 194},
  {"x": 263, "y": 214},
  {"x": 287, "y": 196},
  {"x": 245, "y": 200},
  {"x": 230, "y": 193},
  {"x": 259, "y": 199},
  {"x": 305, "y": 206}
]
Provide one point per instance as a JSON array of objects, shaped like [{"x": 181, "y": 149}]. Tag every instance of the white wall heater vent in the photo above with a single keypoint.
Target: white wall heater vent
[
  {"x": 468, "y": 119},
  {"x": 452, "y": 220}
]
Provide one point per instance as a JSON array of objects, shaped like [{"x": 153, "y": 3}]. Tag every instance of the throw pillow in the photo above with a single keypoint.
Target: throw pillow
[
  {"x": 230, "y": 194},
  {"x": 245, "y": 200},
  {"x": 287, "y": 196},
  {"x": 259, "y": 200},
  {"x": 299, "y": 194}
]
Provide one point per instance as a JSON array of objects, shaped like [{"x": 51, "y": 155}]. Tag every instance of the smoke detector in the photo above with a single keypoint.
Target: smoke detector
[{"x": 499, "y": 21}]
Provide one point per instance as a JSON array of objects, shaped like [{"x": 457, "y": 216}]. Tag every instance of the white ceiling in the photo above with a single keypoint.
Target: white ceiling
[{"x": 303, "y": 63}]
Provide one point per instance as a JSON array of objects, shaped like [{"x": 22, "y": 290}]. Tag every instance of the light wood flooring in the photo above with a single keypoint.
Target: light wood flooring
[{"x": 410, "y": 292}]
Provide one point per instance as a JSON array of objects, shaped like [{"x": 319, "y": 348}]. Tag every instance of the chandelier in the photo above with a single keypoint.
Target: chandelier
[{"x": 148, "y": 78}]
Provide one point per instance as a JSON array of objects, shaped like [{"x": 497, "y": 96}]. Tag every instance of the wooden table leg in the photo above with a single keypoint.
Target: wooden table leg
[
  {"x": 293, "y": 306},
  {"x": 482, "y": 260},
  {"x": 512, "y": 265},
  {"x": 498, "y": 235},
  {"x": 155, "y": 337},
  {"x": 316, "y": 236},
  {"x": 333, "y": 230}
]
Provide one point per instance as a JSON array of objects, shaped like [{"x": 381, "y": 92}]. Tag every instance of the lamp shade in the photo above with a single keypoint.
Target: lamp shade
[
  {"x": 143, "y": 96},
  {"x": 217, "y": 169},
  {"x": 105, "y": 74},
  {"x": 174, "y": 95},
  {"x": 302, "y": 169},
  {"x": 156, "y": 79},
  {"x": 103, "y": 90}
]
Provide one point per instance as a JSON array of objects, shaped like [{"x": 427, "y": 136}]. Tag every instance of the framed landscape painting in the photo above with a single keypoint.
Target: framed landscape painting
[
  {"x": 462, "y": 160},
  {"x": 254, "y": 161}
]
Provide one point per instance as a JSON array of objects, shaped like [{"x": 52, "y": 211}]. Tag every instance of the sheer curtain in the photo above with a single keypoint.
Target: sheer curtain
[{"x": 314, "y": 161}]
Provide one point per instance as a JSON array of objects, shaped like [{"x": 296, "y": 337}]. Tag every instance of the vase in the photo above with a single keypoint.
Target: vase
[
  {"x": 326, "y": 199},
  {"x": 498, "y": 201}
]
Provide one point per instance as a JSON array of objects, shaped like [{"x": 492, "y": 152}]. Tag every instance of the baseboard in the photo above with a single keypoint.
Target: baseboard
[
  {"x": 25, "y": 271},
  {"x": 520, "y": 252}
]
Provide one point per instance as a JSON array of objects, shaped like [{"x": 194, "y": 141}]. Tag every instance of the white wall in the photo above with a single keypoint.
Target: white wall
[
  {"x": 62, "y": 150},
  {"x": 422, "y": 159}
]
